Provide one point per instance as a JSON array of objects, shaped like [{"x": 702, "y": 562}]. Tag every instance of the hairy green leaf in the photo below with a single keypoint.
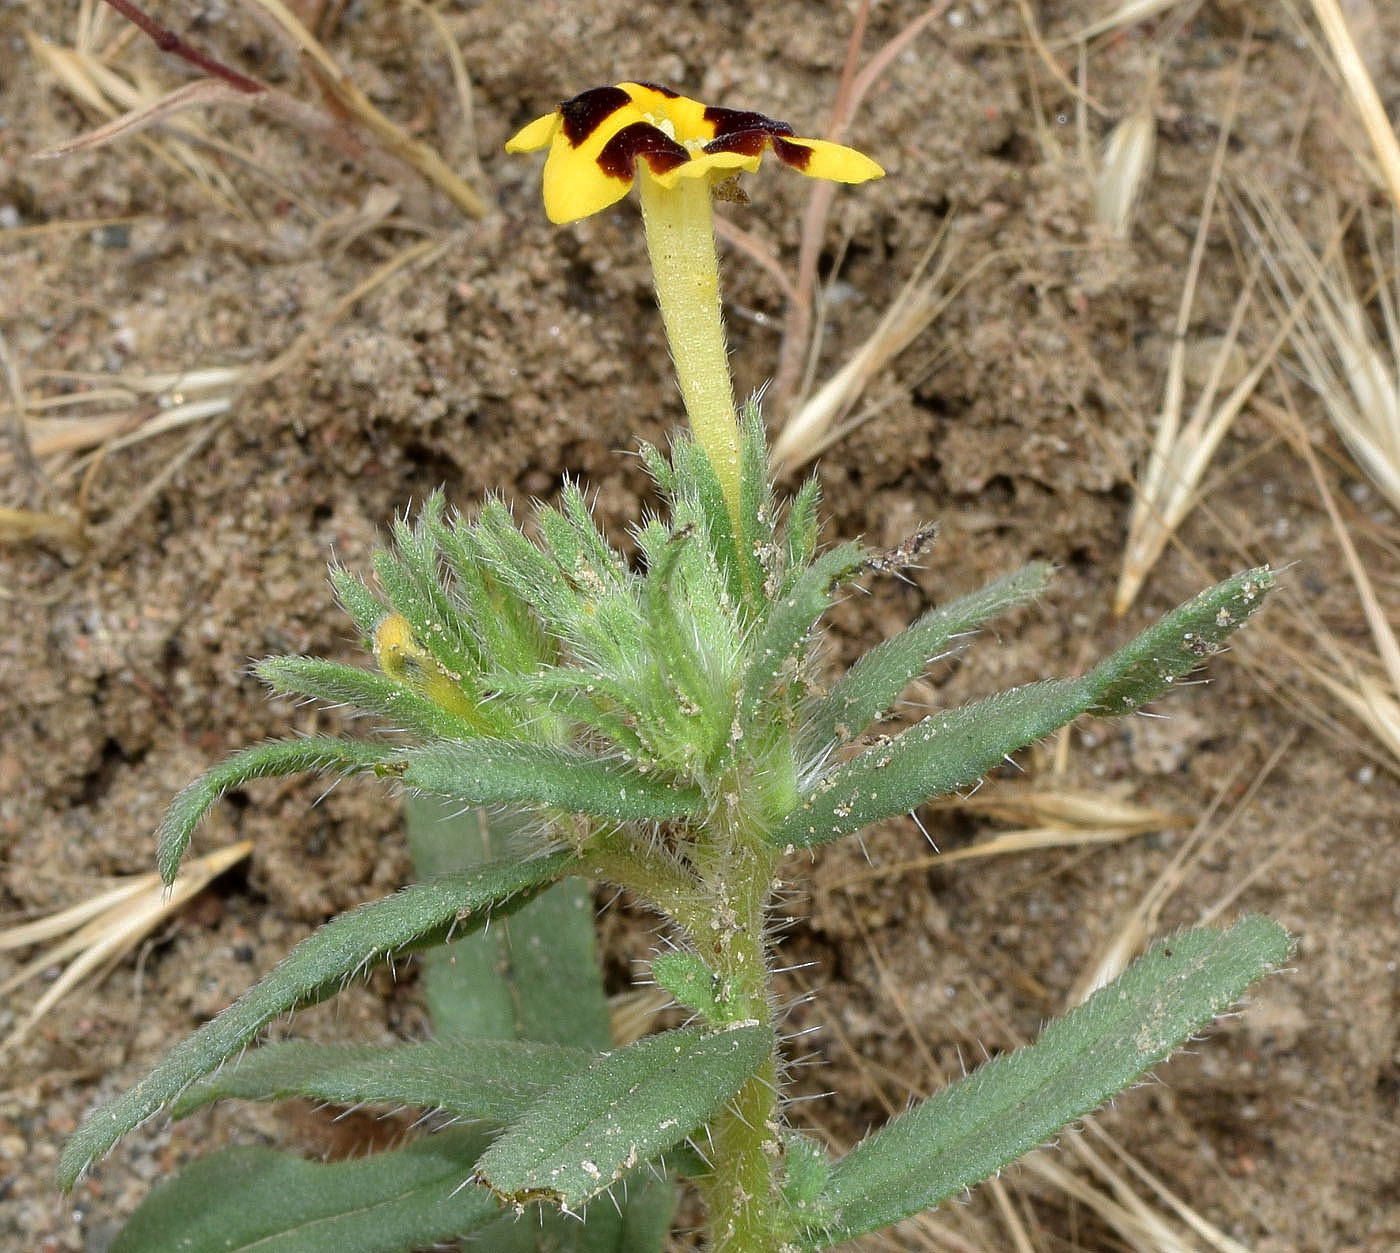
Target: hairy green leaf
[
  {"x": 501, "y": 772},
  {"x": 461, "y": 980},
  {"x": 625, "y": 1109},
  {"x": 360, "y": 604},
  {"x": 638, "y": 1223},
  {"x": 873, "y": 683},
  {"x": 689, "y": 980},
  {"x": 1004, "y": 1109},
  {"x": 365, "y": 690},
  {"x": 1145, "y": 666},
  {"x": 802, "y": 528},
  {"x": 258, "y": 1198},
  {"x": 790, "y": 621},
  {"x": 952, "y": 750},
  {"x": 318, "y": 967},
  {"x": 533, "y": 976},
  {"x": 472, "y": 1078},
  {"x": 261, "y": 761}
]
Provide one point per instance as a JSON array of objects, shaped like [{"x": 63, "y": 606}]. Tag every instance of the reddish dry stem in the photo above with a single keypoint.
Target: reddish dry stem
[{"x": 168, "y": 41}]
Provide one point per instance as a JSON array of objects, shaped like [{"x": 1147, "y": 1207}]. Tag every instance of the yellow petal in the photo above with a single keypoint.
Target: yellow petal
[
  {"x": 705, "y": 163},
  {"x": 535, "y": 135},
  {"x": 574, "y": 183},
  {"x": 687, "y": 116},
  {"x": 833, "y": 161}
]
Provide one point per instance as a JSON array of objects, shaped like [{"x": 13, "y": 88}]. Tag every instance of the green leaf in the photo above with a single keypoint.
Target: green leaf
[
  {"x": 952, "y": 750},
  {"x": 638, "y": 1224},
  {"x": 1143, "y": 668},
  {"x": 258, "y": 1198},
  {"x": 689, "y": 980},
  {"x": 462, "y": 982},
  {"x": 802, "y": 529},
  {"x": 700, "y": 498},
  {"x": 554, "y": 976},
  {"x": 261, "y": 761},
  {"x": 469, "y": 1078},
  {"x": 360, "y": 604},
  {"x": 366, "y": 690},
  {"x": 625, "y": 1109},
  {"x": 512, "y": 772},
  {"x": 533, "y": 977},
  {"x": 756, "y": 504},
  {"x": 790, "y": 621},
  {"x": 874, "y": 683},
  {"x": 410, "y": 581},
  {"x": 1006, "y": 1108},
  {"x": 318, "y": 967}
]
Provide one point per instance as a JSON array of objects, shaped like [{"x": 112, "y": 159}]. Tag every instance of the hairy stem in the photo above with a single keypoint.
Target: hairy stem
[
  {"x": 741, "y": 1194},
  {"x": 681, "y": 240}
]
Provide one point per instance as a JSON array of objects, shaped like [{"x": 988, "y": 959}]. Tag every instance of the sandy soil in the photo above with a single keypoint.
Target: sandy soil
[{"x": 523, "y": 352}]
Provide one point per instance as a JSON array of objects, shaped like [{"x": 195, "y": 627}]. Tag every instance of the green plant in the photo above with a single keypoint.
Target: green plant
[{"x": 665, "y": 726}]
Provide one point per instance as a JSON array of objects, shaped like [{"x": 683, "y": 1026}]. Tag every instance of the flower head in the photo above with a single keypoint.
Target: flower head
[{"x": 603, "y": 138}]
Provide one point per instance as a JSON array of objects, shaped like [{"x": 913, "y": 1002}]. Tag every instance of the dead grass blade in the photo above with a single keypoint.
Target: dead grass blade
[
  {"x": 1181, "y": 451},
  {"x": 855, "y": 84},
  {"x": 94, "y": 83},
  {"x": 24, "y": 526},
  {"x": 1354, "y": 372},
  {"x": 107, "y": 928},
  {"x": 1126, "y": 164},
  {"x": 1141, "y": 922},
  {"x": 1369, "y": 689},
  {"x": 1363, "y": 93},
  {"x": 632, "y": 1014},
  {"x": 1054, "y": 819},
  {"x": 813, "y": 427},
  {"x": 151, "y": 405},
  {"x": 343, "y": 94},
  {"x": 1129, "y": 13},
  {"x": 157, "y": 403},
  {"x": 195, "y": 95}
]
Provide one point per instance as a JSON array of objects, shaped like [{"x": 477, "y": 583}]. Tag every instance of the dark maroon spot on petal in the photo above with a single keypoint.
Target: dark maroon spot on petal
[
  {"x": 589, "y": 110},
  {"x": 750, "y": 143},
  {"x": 640, "y": 140},
  {"x": 795, "y": 155},
  {"x": 731, "y": 121},
  {"x": 665, "y": 91}
]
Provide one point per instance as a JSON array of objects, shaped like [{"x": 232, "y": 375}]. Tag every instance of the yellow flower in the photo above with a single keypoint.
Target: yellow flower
[{"x": 602, "y": 138}]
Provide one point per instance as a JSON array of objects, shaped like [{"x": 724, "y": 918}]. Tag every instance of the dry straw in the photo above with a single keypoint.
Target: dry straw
[
  {"x": 100, "y": 931},
  {"x": 1126, "y": 164}
]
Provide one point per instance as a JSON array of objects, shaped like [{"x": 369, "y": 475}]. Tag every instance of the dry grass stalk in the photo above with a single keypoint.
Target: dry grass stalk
[
  {"x": 133, "y": 109},
  {"x": 1054, "y": 819},
  {"x": 1353, "y": 370},
  {"x": 1141, "y": 922},
  {"x": 92, "y": 82},
  {"x": 1363, "y": 93},
  {"x": 101, "y": 931},
  {"x": 797, "y": 341},
  {"x": 153, "y": 404},
  {"x": 1126, "y": 164},
  {"x": 1368, "y": 688},
  {"x": 1128, "y": 13},
  {"x": 814, "y": 426},
  {"x": 147, "y": 405},
  {"x": 196, "y": 95},
  {"x": 632, "y": 1014},
  {"x": 343, "y": 94},
  {"x": 24, "y": 526},
  {"x": 1182, "y": 450}
]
